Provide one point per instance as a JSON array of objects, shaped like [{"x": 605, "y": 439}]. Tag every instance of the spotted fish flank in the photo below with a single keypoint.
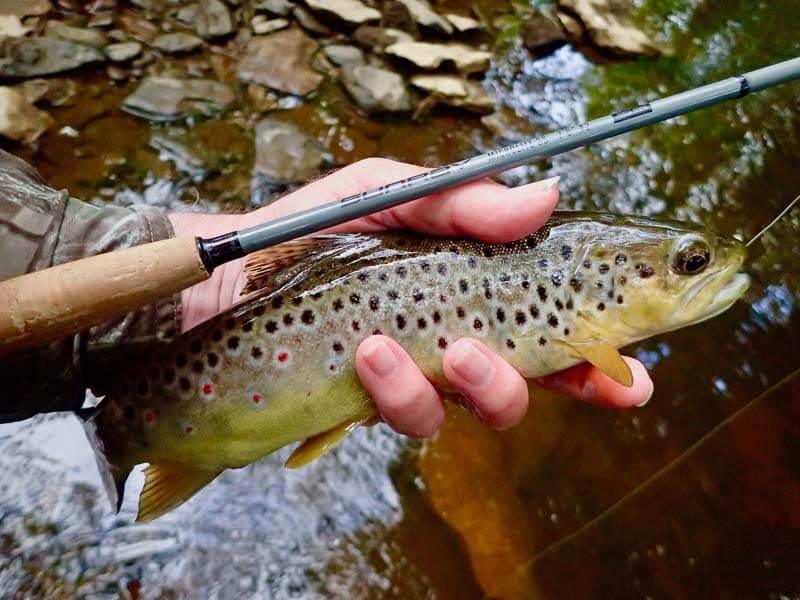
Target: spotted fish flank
[{"x": 278, "y": 368}]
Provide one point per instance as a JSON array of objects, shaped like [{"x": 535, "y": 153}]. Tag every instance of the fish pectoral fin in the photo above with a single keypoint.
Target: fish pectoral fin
[
  {"x": 322, "y": 443},
  {"x": 603, "y": 356},
  {"x": 167, "y": 486}
]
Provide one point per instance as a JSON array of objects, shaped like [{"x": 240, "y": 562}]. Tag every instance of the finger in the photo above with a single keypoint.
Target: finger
[
  {"x": 483, "y": 209},
  {"x": 588, "y": 383},
  {"x": 404, "y": 397},
  {"x": 495, "y": 392}
]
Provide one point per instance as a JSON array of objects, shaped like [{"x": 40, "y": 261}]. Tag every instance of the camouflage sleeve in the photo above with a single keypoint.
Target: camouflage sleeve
[{"x": 41, "y": 227}]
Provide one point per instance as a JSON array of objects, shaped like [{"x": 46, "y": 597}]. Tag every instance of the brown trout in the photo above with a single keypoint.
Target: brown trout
[{"x": 278, "y": 368}]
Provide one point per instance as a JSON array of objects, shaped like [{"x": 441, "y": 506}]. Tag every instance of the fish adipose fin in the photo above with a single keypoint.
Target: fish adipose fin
[
  {"x": 603, "y": 356},
  {"x": 273, "y": 267},
  {"x": 168, "y": 486},
  {"x": 320, "y": 444}
]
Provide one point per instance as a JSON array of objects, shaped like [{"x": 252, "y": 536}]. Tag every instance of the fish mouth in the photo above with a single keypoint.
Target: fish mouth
[{"x": 735, "y": 284}]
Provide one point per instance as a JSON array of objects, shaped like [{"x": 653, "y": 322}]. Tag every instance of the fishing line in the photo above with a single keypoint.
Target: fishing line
[
  {"x": 639, "y": 489},
  {"x": 775, "y": 220}
]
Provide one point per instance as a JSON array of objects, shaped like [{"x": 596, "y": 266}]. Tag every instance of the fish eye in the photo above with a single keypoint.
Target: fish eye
[{"x": 692, "y": 255}]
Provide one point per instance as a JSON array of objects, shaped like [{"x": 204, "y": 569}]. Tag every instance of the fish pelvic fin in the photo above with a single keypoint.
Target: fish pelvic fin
[
  {"x": 322, "y": 443},
  {"x": 167, "y": 486},
  {"x": 603, "y": 356},
  {"x": 113, "y": 469}
]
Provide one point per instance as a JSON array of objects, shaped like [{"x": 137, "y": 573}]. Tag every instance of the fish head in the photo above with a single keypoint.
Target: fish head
[{"x": 647, "y": 277}]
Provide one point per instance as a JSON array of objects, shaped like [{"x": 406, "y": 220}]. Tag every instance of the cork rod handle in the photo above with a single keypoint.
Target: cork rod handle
[{"x": 46, "y": 305}]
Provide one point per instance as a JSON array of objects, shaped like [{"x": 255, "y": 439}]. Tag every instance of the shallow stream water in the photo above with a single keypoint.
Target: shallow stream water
[{"x": 469, "y": 513}]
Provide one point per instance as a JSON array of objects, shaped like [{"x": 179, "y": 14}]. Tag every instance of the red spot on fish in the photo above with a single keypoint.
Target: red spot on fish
[
  {"x": 257, "y": 398},
  {"x": 189, "y": 429},
  {"x": 207, "y": 389},
  {"x": 283, "y": 356},
  {"x": 332, "y": 367},
  {"x": 149, "y": 416}
]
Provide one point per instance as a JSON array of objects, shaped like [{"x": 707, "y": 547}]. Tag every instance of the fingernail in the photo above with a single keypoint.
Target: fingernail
[
  {"x": 545, "y": 185},
  {"x": 472, "y": 365},
  {"x": 650, "y": 395},
  {"x": 380, "y": 359},
  {"x": 588, "y": 391}
]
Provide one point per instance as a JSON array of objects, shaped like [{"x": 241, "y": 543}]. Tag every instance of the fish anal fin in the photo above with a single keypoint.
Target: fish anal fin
[
  {"x": 603, "y": 356},
  {"x": 168, "y": 486},
  {"x": 266, "y": 269},
  {"x": 322, "y": 443}
]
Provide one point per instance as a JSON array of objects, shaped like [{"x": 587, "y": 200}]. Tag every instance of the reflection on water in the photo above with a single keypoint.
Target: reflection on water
[{"x": 378, "y": 518}]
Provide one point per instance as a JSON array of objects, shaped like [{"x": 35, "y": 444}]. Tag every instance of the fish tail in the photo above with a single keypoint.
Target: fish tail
[{"x": 114, "y": 469}]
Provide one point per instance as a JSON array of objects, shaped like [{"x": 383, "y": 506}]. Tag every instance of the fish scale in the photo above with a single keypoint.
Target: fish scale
[{"x": 279, "y": 367}]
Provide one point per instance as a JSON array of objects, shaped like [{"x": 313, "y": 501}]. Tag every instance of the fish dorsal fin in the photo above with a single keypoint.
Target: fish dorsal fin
[
  {"x": 167, "y": 486},
  {"x": 320, "y": 444},
  {"x": 603, "y": 356},
  {"x": 271, "y": 267}
]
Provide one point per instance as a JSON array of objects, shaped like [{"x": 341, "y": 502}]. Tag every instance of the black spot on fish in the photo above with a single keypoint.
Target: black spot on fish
[
  {"x": 534, "y": 311},
  {"x": 542, "y": 291},
  {"x": 181, "y": 360},
  {"x": 472, "y": 262},
  {"x": 505, "y": 278},
  {"x": 488, "y": 251},
  {"x": 543, "y": 264},
  {"x": 570, "y": 305},
  {"x": 442, "y": 343},
  {"x": 454, "y": 249},
  {"x": 230, "y": 324},
  {"x": 338, "y": 348},
  {"x": 501, "y": 315},
  {"x": 307, "y": 317},
  {"x": 316, "y": 295},
  {"x": 401, "y": 321},
  {"x": 644, "y": 270},
  {"x": 198, "y": 366},
  {"x": 355, "y": 325},
  {"x": 477, "y": 324},
  {"x": 256, "y": 352},
  {"x": 355, "y": 299},
  {"x": 552, "y": 320},
  {"x": 422, "y": 323},
  {"x": 288, "y": 319},
  {"x": 363, "y": 276},
  {"x": 442, "y": 298},
  {"x": 566, "y": 252},
  {"x": 169, "y": 375},
  {"x": 610, "y": 294},
  {"x": 271, "y": 326},
  {"x": 441, "y": 268},
  {"x": 566, "y": 330},
  {"x": 531, "y": 241},
  {"x": 374, "y": 303},
  {"x": 259, "y": 310},
  {"x": 402, "y": 270},
  {"x": 376, "y": 332},
  {"x": 621, "y": 259},
  {"x": 620, "y": 299},
  {"x": 184, "y": 384},
  {"x": 277, "y": 302},
  {"x": 460, "y": 312},
  {"x": 587, "y": 264},
  {"x": 510, "y": 344},
  {"x": 437, "y": 248},
  {"x": 297, "y": 300},
  {"x": 575, "y": 284},
  {"x": 216, "y": 335},
  {"x": 622, "y": 280},
  {"x": 557, "y": 278},
  {"x": 392, "y": 295},
  {"x": 601, "y": 306},
  {"x": 213, "y": 359},
  {"x": 425, "y": 266},
  {"x": 520, "y": 318},
  {"x": 196, "y": 346},
  {"x": 233, "y": 342},
  {"x": 436, "y": 316},
  {"x": 526, "y": 284},
  {"x": 382, "y": 277},
  {"x": 417, "y": 295},
  {"x": 487, "y": 288},
  {"x": 338, "y": 304},
  {"x": 463, "y": 286},
  {"x": 559, "y": 304},
  {"x": 247, "y": 326},
  {"x": 542, "y": 341},
  {"x": 603, "y": 269}
]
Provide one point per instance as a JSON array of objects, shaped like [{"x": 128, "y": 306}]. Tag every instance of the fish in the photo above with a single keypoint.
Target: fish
[{"x": 278, "y": 368}]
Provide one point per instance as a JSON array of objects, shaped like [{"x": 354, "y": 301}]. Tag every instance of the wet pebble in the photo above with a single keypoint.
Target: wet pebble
[
  {"x": 123, "y": 51},
  {"x": 176, "y": 43},
  {"x": 261, "y": 25}
]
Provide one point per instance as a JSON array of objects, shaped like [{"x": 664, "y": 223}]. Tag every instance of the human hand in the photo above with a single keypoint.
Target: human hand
[{"x": 494, "y": 391}]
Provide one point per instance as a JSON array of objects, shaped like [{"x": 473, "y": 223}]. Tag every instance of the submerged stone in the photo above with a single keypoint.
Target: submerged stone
[
  {"x": 213, "y": 19},
  {"x": 176, "y": 43},
  {"x": 542, "y": 34},
  {"x": 378, "y": 38},
  {"x": 262, "y": 26},
  {"x": 376, "y": 89},
  {"x": 284, "y": 154},
  {"x": 20, "y": 120},
  {"x": 463, "y": 24},
  {"x": 424, "y": 15},
  {"x": 79, "y": 35},
  {"x": 281, "y": 61},
  {"x": 343, "y": 55},
  {"x": 11, "y": 26},
  {"x": 277, "y": 7},
  {"x": 608, "y": 26},
  {"x": 124, "y": 51},
  {"x": 167, "y": 98},
  {"x": 45, "y": 56},
  {"x": 431, "y": 56},
  {"x": 455, "y": 91},
  {"x": 352, "y": 12},
  {"x": 25, "y": 8}
]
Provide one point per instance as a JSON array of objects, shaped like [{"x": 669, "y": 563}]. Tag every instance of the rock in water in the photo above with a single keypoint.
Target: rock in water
[
  {"x": 431, "y": 56},
  {"x": 167, "y": 99},
  {"x": 542, "y": 34},
  {"x": 463, "y": 24},
  {"x": 608, "y": 27},
  {"x": 45, "y": 56},
  {"x": 343, "y": 55},
  {"x": 284, "y": 154},
  {"x": 352, "y": 12},
  {"x": 281, "y": 61},
  {"x": 282, "y": 8},
  {"x": 123, "y": 51},
  {"x": 455, "y": 91},
  {"x": 79, "y": 35},
  {"x": 19, "y": 119},
  {"x": 214, "y": 19},
  {"x": 424, "y": 15},
  {"x": 176, "y": 43},
  {"x": 25, "y": 8},
  {"x": 11, "y": 26},
  {"x": 376, "y": 89},
  {"x": 262, "y": 26}
]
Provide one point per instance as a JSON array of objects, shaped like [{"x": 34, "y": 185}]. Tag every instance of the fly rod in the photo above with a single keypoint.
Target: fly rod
[{"x": 46, "y": 305}]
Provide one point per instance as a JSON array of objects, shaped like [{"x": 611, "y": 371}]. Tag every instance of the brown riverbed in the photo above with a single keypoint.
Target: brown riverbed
[{"x": 471, "y": 513}]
